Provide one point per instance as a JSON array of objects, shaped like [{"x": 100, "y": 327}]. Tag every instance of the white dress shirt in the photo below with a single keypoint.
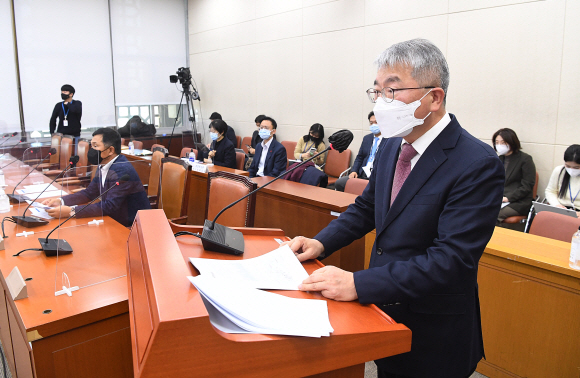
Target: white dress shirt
[
  {"x": 105, "y": 170},
  {"x": 421, "y": 144},
  {"x": 265, "y": 147}
]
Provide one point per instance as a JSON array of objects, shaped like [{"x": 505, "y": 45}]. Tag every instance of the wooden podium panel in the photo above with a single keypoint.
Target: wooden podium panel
[
  {"x": 172, "y": 335},
  {"x": 530, "y": 305}
]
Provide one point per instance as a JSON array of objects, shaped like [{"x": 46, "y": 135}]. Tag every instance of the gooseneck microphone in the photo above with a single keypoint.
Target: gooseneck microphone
[
  {"x": 16, "y": 198},
  {"x": 10, "y": 137},
  {"x": 9, "y": 152},
  {"x": 31, "y": 221},
  {"x": 53, "y": 247},
  {"x": 218, "y": 238}
]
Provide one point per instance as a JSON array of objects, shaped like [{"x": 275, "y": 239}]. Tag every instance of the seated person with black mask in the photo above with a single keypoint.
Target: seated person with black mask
[
  {"x": 366, "y": 155},
  {"x": 221, "y": 150},
  {"x": 120, "y": 203}
]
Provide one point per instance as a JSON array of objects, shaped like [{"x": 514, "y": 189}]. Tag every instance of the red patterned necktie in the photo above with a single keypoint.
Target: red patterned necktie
[{"x": 403, "y": 169}]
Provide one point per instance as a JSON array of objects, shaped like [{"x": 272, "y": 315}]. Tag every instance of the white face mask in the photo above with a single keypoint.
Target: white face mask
[
  {"x": 397, "y": 119},
  {"x": 573, "y": 171},
  {"x": 502, "y": 149}
]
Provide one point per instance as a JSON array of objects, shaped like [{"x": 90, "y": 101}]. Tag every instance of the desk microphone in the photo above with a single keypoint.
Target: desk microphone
[
  {"x": 218, "y": 238},
  {"x": 32, "y": 221},
  {"x": 54, "y": 247},
  {"x": 17, "y": 198},
  {"x": 10, "y": 137},
  {"x": 10, "y": 151}
]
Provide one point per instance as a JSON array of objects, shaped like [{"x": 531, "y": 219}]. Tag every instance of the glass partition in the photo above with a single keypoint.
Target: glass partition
[{"x": 97, "y": 234}]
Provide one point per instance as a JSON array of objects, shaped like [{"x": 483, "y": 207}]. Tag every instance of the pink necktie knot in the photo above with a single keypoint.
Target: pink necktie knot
[{"x": 407, "y": 152}]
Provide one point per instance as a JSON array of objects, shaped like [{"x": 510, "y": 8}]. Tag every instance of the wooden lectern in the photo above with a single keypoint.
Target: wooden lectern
[{"x": 171, "y": 333}]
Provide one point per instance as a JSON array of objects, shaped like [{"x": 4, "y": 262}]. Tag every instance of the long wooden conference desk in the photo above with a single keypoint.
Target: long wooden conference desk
[{"x": 84, "y": 335}]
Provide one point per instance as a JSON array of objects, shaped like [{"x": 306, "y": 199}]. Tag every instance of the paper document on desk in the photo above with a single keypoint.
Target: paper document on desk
[
  {"x": 40, "y": 213},
  {"x": 37, "y": 188},
  {"x": 241, "y": 309},
  {"x": 276, "y": 270},
  {"x": 37, "y": 204},
  {"x": 47, "y": 194}
]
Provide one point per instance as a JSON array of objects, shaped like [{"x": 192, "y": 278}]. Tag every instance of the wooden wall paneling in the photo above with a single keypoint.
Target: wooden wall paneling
[
  {"x": 104, "y": 347},
  {"x": 5, "y": 332}
]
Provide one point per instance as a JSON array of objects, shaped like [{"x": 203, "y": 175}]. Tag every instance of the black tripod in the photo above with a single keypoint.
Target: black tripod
[{"x": 190, "y": 94}]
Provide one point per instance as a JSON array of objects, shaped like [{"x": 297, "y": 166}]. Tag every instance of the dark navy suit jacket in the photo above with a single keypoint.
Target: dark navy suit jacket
[
  {"x": 276, "y": 160},
  {"x": 363, "y": 154},
  {"x": 423, "y": 267},
  {"x": 225, "y": 153},
  {"x": 120, "y": 203}
]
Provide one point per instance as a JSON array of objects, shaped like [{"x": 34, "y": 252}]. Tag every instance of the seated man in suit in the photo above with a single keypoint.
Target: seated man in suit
[
  {"x": 270, "y": 158},
  {"x": 433, "y": 196},
  {"x": 230, "y": 133},
  {"x": 365, "y": 157},
  {"x": 120, "y": 203}
]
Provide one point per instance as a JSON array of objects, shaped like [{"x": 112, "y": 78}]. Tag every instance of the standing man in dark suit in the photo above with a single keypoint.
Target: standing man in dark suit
[
  {"x": 270, "y": 158},
  {"x": 433, "y": 197},
  {"x": 120, "y": 203},
  {"x": 69, "y": 113},
  {"x": 366, "y": 155}
]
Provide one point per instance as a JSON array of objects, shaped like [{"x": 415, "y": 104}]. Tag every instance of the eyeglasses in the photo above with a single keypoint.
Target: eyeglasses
[{"x": 387, "y": 93}]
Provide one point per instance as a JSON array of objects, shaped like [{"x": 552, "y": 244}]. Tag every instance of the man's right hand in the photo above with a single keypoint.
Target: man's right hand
[
  {"x": 52, "y": 202},
  {"x": 353, "y": 175},
  {"x": 304, "y": 248}
]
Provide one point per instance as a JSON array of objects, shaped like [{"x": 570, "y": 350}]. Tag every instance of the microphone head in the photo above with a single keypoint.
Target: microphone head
[
  {"x": 73, "y": 160},
  {"x": 340, "y": 140},
  {"x": 14, "y": 133},
  {"x": 52, "y": 151}
]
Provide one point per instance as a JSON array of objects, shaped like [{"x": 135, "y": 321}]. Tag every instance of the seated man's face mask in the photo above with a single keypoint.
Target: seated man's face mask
[{"x": 94, "y": 156}]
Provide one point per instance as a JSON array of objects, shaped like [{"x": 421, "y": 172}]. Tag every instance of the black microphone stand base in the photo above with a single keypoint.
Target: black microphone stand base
[
  {"x": 222, "y": 239},
  {"x": 29, "y": 221},
  {"x": 55, "y": 247},
  {"x": 17, "y": 198}
]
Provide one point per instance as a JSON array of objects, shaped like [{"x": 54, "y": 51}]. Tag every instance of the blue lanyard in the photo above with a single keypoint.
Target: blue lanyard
[
  {"x": 65, "y": 113},
  {"x": 576, "y": 196}
]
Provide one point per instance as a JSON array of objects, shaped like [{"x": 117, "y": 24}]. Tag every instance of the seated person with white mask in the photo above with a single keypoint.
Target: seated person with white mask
[
  {"x": 221, "y": 150},
  {"x": 363, "y": 164},
  {"x": 564, "y": 187},
  {"x": 270, "y": 158}
]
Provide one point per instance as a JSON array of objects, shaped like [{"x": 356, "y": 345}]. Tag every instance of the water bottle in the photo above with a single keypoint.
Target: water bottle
[
  {"x": 575, "y": 250},
  {"x": 191, "y": 157},
  {"x": 4, "y": 202},
  {"x": 131, "y": 148},
  {"x": 2, "y": 181}
]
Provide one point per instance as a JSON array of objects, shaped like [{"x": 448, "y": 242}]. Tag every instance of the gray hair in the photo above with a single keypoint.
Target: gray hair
[{"x": 429, "y": 67}]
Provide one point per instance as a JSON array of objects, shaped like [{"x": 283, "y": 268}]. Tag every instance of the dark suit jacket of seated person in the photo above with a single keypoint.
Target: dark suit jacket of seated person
[
  {"x": 221, "y": 152},
  {"x": 520, "y": 174},
  {"x": 276, "y": 159},
  {"x": 120, "y": 203}
]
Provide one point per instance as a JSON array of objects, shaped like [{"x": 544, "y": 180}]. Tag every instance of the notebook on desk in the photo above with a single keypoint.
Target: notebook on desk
[{"x": 538, "y": 206}]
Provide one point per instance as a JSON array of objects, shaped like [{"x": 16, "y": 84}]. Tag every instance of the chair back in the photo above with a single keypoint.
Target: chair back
[
  {"x": 137, "y": 144},
  {"x": 355, "y": 186},
  {"x": 240, "y": 160},
  {"x": 337, "y": 162},
  {"x": 290, "y": 147},
  {"x": 158, "y": 154},
  {"x": 246, "y": 141},
  {"x": 83, "y": 152},
  {"x": 238, "y": 141},
  {"x": 66, "y": 149},
  {"x": 173, "y": 187},
  {"x": 156, "y": 145},
  {"x": 554, "y": 226},
  {"x": 186, "y": 150},
  {"x": 55, "y": 143},
  {"x": 224, "y": 188},
  {"x": 123, "y": 142}
]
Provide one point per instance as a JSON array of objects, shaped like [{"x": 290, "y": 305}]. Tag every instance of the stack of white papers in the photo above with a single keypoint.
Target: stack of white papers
[
  {"x": 35, "y": 190},
  {"x": 230, "y": 292},
  {"x": 40, "y": 213}
]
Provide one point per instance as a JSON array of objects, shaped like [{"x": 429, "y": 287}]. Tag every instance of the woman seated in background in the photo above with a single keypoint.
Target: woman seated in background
[
  {"x": 221, "y": 151},
  {"x": 311, "y": 144},
  {"x": 564, "y": 186},
  {"x": 520, "y": 174}
]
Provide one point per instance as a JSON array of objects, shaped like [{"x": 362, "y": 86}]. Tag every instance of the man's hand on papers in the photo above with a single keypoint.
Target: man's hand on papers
[
  {"x": 59, "y": 211},
  {"x": 51, "y": 202},
  {"x": 304, "y": 248},
  {"x": 332, "y": 282}
]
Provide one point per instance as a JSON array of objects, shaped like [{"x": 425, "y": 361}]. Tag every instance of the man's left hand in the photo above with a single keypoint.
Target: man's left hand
[
  {"x": 332, "y": 282},
  {"x": 59, "y": 212}
]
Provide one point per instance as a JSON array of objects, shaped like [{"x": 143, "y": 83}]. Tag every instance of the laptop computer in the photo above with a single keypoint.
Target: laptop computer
[{"x": 538, "y": 206}]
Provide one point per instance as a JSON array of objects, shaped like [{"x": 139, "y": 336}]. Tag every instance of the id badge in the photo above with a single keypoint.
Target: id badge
[{"x": 65, "y": 123}]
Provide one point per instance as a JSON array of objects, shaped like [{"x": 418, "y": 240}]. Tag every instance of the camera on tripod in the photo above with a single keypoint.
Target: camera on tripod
[{"x": 183, "y": 76}]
